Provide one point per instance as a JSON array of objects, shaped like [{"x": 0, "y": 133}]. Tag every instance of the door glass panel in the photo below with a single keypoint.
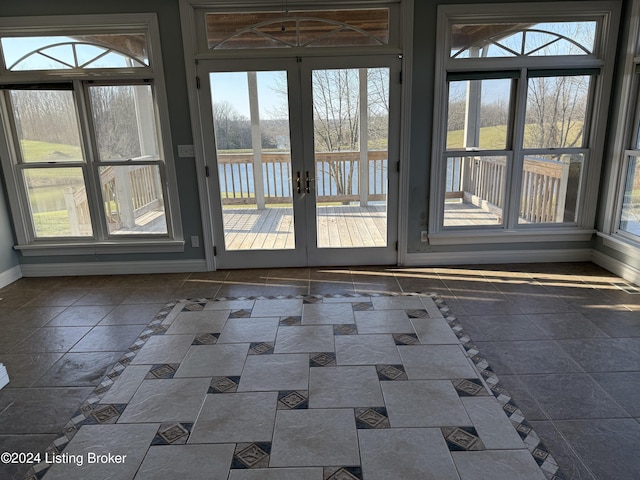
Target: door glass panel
[
  {"x": 350, "y": 128},
  {"x": 253, "y": 151}
]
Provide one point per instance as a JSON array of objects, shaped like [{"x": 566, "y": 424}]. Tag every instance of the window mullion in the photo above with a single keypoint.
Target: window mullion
[
  {"x": 514, "y": 181},
  {"x": 91, "y": 168}
]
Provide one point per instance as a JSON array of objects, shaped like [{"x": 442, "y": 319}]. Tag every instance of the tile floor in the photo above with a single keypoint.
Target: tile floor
[{"x": 324, "y": 383}]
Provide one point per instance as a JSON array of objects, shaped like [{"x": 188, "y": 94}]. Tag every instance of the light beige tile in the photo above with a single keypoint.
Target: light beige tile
[
  {"x": 327, "y": 313},
  {"x": 126, "y": 384},
  {"x": 497, "y": 465},
  {"x": 344, "y": 387},
  {"x": 196, "y": 462},
  {"x": 247, "y": 330},
  {"x": 495, "y": 429},
  {"x": 235, "y": 418},
  {"x": 418, "y": 454},
  {"x": 213, "y": 360},
  {"x": 434, "y": 331},
  {"x": 310, "y": 473},
  {"x": 314, "y": 437},
  {"x": 366, "y": 350},
  {"x": 277, "y": 308},
  {"x": 163, "y": 349},
  {"x": 199, "y": 322},
  {"x": 432, "y": 362},
  {"x": 275, "y": 372},
  {"x": 383, "y": 321},
  {"x": 305, "y": 339}
]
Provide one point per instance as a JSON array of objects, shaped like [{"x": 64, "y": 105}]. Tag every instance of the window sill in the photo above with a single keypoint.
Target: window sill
[
  {"x": 101, "y": 248},
  {"x": 468, "y": 237}
]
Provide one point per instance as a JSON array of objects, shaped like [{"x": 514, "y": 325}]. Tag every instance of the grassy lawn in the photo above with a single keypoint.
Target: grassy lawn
[
  {"x": 52, "y": 224},
  {"x": 495, "y": 137}
]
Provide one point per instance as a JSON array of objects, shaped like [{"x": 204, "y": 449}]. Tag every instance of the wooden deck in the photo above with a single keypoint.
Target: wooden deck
[{"x": 272, "y": 229}]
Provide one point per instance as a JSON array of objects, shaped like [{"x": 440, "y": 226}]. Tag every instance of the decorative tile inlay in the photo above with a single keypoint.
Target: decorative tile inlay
[
  {"x": 293, "y": 321},
  {"x": 345, "y": 329},
  {"x": 261, "y": 348},
  {"x": 406, "y": 339},
  {"x": 243, "y": 313},
  {"x": 362, "y": 306},
  {"x": 193, "y": 307},
  {"x": 206, "y": 339},
  {"x": 342, "y": 473},
  {"x": 469, "y": 387},
  {"x": 257, "y": 454},
  {"x": 327, "y": 359},
  {"x": 173, "y": 434},
  {"x": 224, "y": 385},
  {"x": 417, "y": 313},
  {"x": 251, "y": 455},
  {"x": 373, "y": 417},
  {"x": 462, "y": 438},
  {"x": 293, "y": 400},
  {"x": 163, "y": 371},
  {"x": 391, "y": 372}
]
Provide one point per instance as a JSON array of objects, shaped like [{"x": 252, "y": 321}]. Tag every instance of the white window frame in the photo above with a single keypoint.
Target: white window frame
[
  {"x": 607, "y": 14},
  {"x": 101, "y": 242}
]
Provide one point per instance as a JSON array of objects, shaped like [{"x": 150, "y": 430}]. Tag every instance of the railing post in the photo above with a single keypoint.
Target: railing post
[
  {"x": 72, "y": 210},
  {"x": 562, "y": 192},
  {"x": 124, "y": 197},
  {"x": 363, "y": 165},
  {"x": 256, "y": 140}
]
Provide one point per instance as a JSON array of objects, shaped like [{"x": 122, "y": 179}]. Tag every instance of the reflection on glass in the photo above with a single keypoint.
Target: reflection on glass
[
  {"x": 478, "y": 113},
  {"x": 133, "y": 200},
  {"x": 630, "y": 218},
  {"x": 58, "y": 202},
  {"x": 550, "y": 188},
  {"x": 124, "y": 121},
  {"x": 511, "y": 40},
  {"x": 253, "y": 151},
  {"x": 351, "y": 125},
  {"x": 474, "y": 190},
  {"x": 47, "y": 125},
  {"x": 556, "y": 111}
]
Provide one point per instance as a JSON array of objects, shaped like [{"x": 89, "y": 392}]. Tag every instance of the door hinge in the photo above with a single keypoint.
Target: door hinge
[
  {"x": 396, "y": 246},
  {"x": 215, "y": 251},
  {"x": 198, "y": 83},
  {"x": 206, "y": 170},
  {"x": 398, "y": 166},
  {"x": 400, "y": 77}
]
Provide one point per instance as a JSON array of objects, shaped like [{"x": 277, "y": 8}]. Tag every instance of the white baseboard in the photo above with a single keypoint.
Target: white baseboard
[
  {"x": 503, "y": 256},
  {"x": 112, "y": 268},
  {"x": 10, "y": 276},
  {"x": 629, "y": 273}
]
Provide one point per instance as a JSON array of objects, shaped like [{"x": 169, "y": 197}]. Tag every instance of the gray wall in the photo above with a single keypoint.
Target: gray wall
[{"x": 8, "y": 258}]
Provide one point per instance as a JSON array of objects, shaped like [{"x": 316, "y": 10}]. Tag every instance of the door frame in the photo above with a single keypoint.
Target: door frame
[
  {"x": 194, "y": 50},
  {"x": 301, "y": 123}
]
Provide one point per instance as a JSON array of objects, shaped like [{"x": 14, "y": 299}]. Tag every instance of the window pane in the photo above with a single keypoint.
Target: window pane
[
  {"x": 58, "y": 202},
  {"x": 298, "y": 28},
  {"x": 523, "y": 39},
  {"x": 630, "y": 218},
  {"x": 550, "y": 188},
  {"x": 77, "y": 51},
  {"x": 474, "y": 190},
  {"x": 133, "y": 200},
  {"x": 478, "y": 114},
  {"x": 124, "y": 122},
  {"x": 556, "y": 111},
  {"x": 47, "y": 125}
]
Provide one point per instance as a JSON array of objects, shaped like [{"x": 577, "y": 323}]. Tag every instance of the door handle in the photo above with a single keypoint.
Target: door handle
[
  {"x": 298, "y": 183},
  {"x": 307, "y": 183}
]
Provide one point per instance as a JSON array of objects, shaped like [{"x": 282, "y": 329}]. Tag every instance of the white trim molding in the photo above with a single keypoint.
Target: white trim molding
[
  {"x": 112, "y": 268},
  {"x": 503, "y": 256},
  {"x": 629, "y": 273},
  {"x": 9, "y": 276}
]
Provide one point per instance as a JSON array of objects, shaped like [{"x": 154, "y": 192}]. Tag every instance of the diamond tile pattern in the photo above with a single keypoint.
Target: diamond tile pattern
[{"x": 298, "y": 385}]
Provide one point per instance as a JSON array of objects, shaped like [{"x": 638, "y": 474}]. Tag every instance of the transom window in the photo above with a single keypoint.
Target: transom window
[
  {"x": 88, "y": 150},
  {"x": 309, "y": 28},
  {"x": 519, "y": 99}
]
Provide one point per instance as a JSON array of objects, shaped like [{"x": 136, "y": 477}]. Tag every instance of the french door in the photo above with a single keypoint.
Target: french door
[{"x": 302, "y": 156}]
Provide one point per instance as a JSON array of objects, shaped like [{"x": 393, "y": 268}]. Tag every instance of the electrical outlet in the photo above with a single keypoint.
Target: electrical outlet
[
  {"x": 424, "y": 236},
  {"x": 195, "y": 241},
  {"x": 186, "y": 151}
]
